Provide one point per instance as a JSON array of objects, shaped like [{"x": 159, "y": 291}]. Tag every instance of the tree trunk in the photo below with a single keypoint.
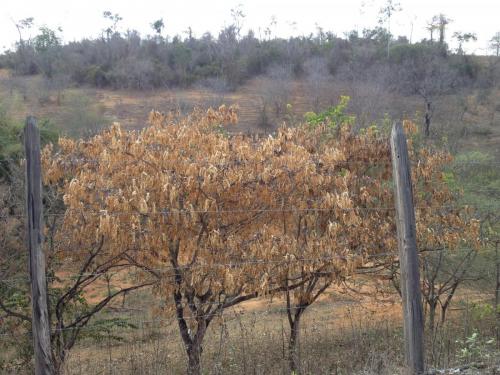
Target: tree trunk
[
  {"x": 58, "y": 358},
  {"x": 194, "y": 359},
  {"x": 443, "y": 314},
  {"x": 293, "y": 344},
  {"x": 192, "y": 342},
  {"x": 432, "y": 315},
  {"x": 58, "y": 365},
  {"x": 193, "y": 345},
  {"x": 497, "y": 293},
  {"x": 427, "y": 130}
]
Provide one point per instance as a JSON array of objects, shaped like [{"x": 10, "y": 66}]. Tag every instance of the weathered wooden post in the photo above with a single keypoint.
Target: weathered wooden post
[
  {"x": 34, "y": 219},
  {"x": 408, "y": 256}
]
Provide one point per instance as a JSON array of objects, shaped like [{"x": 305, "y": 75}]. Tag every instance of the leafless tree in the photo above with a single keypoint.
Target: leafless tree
[
  {"x": 278, "y": 88},
  {"x": 318, "y": 82},
  {"x": 442, "y": 273},
  {"x": 386, "y": 13},
  {"x": 428, "y": 75},
  {"x": 495, "y": 43}
]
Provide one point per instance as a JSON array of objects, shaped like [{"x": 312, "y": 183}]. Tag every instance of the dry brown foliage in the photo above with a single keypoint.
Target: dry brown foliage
[{"x": 221, "y": 219}]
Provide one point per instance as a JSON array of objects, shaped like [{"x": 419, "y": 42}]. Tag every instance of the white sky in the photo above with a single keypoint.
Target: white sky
[{"x": 80, "y": 19}]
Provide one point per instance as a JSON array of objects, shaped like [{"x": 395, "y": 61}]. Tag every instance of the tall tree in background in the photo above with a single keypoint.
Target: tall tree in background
[
  {"x": 158, "y": 26},
  {"x": 442, "y": 22},
  {"x": 385, "y": 15},
  {"x": 495, "y": 43},
  {"x": 21, "y": 25},
  {"x": 438, "y": 23},
  {"x": 24, "y": 63},
  {"x": 238, "y": 17},
  {"x": 463, "y": 38},
  {"x": 431, "y": 26},
  {"x": 47, "y": 45},
  {"x": 114, "y": 19}
]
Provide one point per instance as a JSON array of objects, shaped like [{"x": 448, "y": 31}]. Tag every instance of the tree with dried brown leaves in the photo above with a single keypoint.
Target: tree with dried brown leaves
[{"x": 220, "y": 220}]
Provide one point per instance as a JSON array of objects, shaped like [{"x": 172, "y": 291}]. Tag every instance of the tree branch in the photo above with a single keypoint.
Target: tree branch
[{"x": 14, "y": 314}]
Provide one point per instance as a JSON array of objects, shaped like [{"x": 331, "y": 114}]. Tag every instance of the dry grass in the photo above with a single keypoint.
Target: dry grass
[
  {"x": 252, "y": 339},
  {"x": 340, "y": 335}
]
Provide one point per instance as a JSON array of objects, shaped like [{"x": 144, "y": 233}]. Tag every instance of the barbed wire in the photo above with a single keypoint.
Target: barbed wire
[
  {"x": 231, "y": 265},
  {"x": 455, "y": 163},
  {"x": 292, "y": 261},
  {"x": 187, "y": 211}
]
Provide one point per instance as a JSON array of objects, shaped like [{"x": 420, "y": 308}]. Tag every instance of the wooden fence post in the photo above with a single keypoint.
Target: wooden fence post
[
  {"x": 34, "y": 219},
  {"x": 408, "y": 256}
]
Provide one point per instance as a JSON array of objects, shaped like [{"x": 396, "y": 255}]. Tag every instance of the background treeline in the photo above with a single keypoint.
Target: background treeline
[{"x": 223, "y": 62}]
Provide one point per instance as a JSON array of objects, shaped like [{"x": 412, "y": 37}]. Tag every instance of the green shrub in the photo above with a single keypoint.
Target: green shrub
[
  {"x": 11, "y": 147},
  {"x": 333, "y": 116}
]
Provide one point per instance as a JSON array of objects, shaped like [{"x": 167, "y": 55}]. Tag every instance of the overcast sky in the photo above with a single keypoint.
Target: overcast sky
[{"x": 80, "y": 19}]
